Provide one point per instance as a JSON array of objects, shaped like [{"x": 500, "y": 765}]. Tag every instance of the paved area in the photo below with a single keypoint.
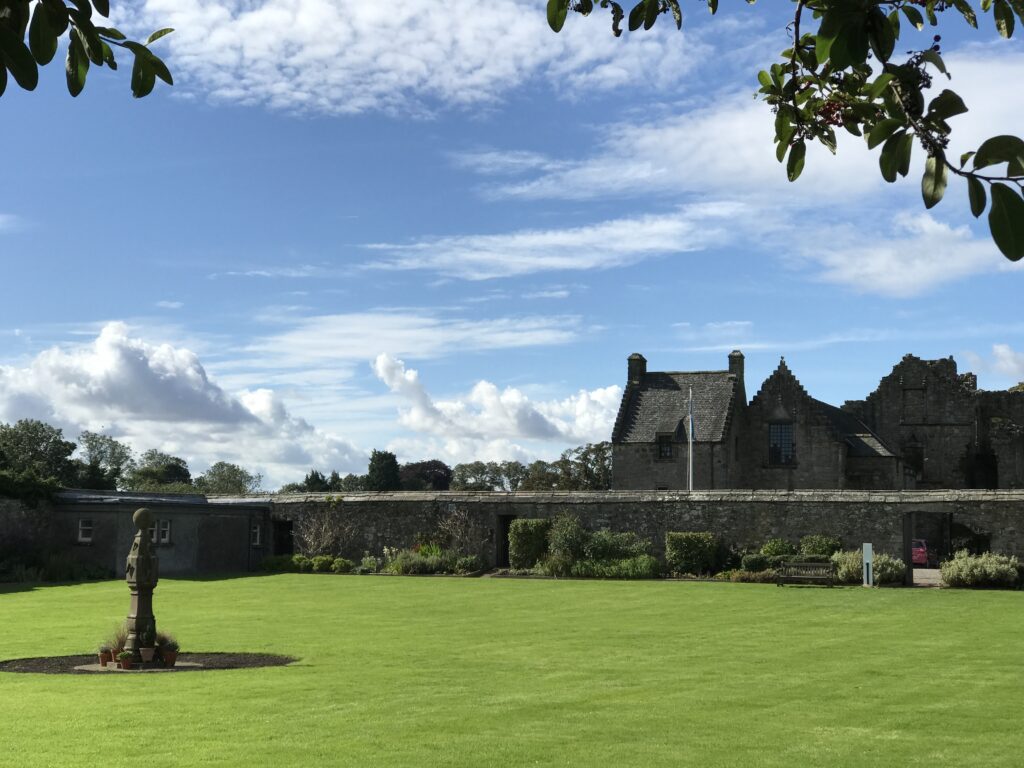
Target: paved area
[{"x": 927, "y": 577}]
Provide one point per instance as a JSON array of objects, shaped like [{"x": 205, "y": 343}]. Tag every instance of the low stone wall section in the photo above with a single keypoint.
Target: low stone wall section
[{"x": 372, "y": 521}]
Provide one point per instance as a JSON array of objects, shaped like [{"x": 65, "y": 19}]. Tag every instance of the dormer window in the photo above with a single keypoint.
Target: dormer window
[{"x": 664, "y": 447}]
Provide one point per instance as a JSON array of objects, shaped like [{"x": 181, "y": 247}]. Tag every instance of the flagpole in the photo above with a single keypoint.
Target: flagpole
[{"x": 689, "y": 451}]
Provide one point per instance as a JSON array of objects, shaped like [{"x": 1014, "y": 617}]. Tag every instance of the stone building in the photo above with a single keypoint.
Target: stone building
[{"x": 924, "y": 427}]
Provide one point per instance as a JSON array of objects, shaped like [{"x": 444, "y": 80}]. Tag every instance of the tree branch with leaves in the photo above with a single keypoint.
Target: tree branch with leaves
[
  {"x": 31, "y": 31},
  {"x": 841, "y": 71}
]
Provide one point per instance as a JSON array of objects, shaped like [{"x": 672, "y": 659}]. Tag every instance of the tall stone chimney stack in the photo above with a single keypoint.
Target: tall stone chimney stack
[
  {"x": 736, "y": 365},
  {"x": 637, "y": 365}
]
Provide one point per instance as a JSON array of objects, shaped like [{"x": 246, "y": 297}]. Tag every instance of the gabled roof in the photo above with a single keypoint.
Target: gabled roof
[{"x": 659, "y": 404}]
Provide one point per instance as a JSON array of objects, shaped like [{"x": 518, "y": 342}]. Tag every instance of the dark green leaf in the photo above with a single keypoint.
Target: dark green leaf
[
  {"x": 946, "y": 105},
  {"x": 932, "y": 56},
  {"x": 967, "y": 12},
  {"x": 160, "y": 69},
  {"x": 1003, "y": 14},
  {"x": 76, "y": 67},
  {"x": 976, "y": 194},
  {"x": 882, "y": 34},
  {"x": 3, "y": 80},
  {"x": 102, "y": 7},
  {"x": 84, "y": 8},
  {"x": 557, "y": 10},
  {"x": 999, "y": 149},
  {"x": 882, "y": 130},
  {"x": 904, "y": 151},
  {"x": 108, "y": 56},
  {"x": 795, "y": 166},
  {"x": 1006, "y": 220},
  {"x": 876, "y": 88},
  {"x": 143, "y": 77},
  {"x": 17, "y": 58},
  {"x": 42, "y": 39},
  {"x": 636, "y": 17},
  {"x": 913, "y": 16},
  {"x": 889, "y": 160},
  {"x": 713, "y": 6},
  {"x": 933, "y": 184},
  {"x": 111, "y": 33},
  {"x": 765, "y": 80},
  {"x": 651, "y": 10},
  {"x": 58, "y": 13}
]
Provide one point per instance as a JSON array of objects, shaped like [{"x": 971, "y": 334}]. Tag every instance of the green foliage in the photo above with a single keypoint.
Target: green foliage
[
  {"x": 850, "y": 568},
  {"x": 30, "y": 34},
  {"x": 637, "y": 567},
  {"x": 567, "y": 538},
  {"x": 778, "y": 548},
  {"x": 527, "y": 541},
  {"x": 410, "y": 562},
  {"x": 341, "y": 565},
  {"x": 382, "y": 472},
  {"x": 986, "y": 570},
  {"x": 695, "y": 552},
  {"x": 158, "y": 471},
  {"x": 845, "y": 69},
  {"x": 819, "y": 545},
  {"x": 106, "y": 461},
  {"x": 301, "y": 563},
  {"x": 432, "y": 475},
  {"x": 606, "y": 545},
  {"x": 277, "y": 564},
  {"x": 226, "y": 478},
  {"x": 468, "y": 564},
  {"x": 64, "y": 569},
  {"x": 26, "y": 486},
  {"x": 321, "y": 563},
  {"x": 32, "y": 446},
  {"x": 584, "y": 468},
  {"x": 369, "y": 564},
  {"x": 754, "y": 562},
  {"x": 744, "y": 576}
]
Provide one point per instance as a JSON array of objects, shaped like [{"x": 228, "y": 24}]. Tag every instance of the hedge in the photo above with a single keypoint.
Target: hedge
[
  {"x": 696, "y": 552},
  {"x": 527, "y": 541},
  {"x": 987, "y": 570}
]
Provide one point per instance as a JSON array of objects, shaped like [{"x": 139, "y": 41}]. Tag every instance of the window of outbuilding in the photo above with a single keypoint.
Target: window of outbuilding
[
  {"x": 664, "y": 446},
  {"x": 257, "y": 535},
  {"x": 780, "y": 444},
  {"x": 164, "y": 527},
  {"x": 85, "y": 530}
]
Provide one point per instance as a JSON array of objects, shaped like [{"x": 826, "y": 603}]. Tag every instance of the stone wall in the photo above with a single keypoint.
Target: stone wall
[{"x": 742, "y": 518}]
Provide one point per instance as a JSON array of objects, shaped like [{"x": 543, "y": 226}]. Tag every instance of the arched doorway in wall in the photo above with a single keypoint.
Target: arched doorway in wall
[{"x": 927, "y": 543}]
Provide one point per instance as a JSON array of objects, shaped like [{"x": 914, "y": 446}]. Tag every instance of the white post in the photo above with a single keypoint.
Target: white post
[
  {"x": 689, "y": 448},
  {"x": 869, "y": 576}
]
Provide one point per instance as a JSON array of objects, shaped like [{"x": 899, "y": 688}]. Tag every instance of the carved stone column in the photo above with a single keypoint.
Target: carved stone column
[{"x": 142, "y": 574}]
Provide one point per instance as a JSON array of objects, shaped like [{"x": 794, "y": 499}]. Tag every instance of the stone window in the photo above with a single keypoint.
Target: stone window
[
  {"x": 161, "y": 532},
  {"x": 85, "y": 530},
  {"x": 780, "y": 444},
  {"x": 256, "y": 538},
  {"x": 664, "y": 447}
]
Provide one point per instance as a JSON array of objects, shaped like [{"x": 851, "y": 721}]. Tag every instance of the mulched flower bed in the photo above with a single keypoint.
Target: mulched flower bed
[{"x": 198, "y": 662}]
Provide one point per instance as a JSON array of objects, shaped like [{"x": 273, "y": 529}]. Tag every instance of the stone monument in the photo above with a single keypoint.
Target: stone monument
[{"x": 142, "y": 574}]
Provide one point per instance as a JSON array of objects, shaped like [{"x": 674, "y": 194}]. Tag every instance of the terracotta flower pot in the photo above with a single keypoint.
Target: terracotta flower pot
[
  {"x": 147, "y": 654},
  {"x": 105, "y": 658},
  {"x": 126, "y": 663},
  {"x": 170, "y": 657}
]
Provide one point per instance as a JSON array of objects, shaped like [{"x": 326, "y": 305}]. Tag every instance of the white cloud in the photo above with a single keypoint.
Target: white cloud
[
  {"x": 161, "y": 396},
  {"x": 556, "y": 293},
  {"x": 490, "y": 423},
  {"x": 8, "y": 221},
  {"x": 344, "y": 56},
  {"x": 1008, "y": 362},
  {"x": 170, "y": 304},
  {"x": 603, "y": 245},
  {"x": 912, "y": 255}
]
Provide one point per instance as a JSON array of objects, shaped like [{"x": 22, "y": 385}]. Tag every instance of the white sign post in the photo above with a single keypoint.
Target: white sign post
[{"x": 869, "y": 577}]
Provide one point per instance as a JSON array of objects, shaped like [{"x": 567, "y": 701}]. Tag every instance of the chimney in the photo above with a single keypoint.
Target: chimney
[
  {"x": 736, "y": 365},
  {"x": 637, "y": 366}
]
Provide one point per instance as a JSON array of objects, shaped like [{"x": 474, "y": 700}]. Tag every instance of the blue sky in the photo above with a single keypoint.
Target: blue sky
[{"x": 351, "y": 227}]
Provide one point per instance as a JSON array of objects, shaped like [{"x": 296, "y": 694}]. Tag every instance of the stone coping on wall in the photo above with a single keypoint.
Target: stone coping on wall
[{"x": 968, "y": 496}]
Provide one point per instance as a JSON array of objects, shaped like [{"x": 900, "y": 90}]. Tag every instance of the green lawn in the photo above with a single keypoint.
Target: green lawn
[{"x": 491, "y": 672}]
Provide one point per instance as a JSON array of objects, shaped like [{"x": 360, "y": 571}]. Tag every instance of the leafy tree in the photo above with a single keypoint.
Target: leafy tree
[
  {"x": 224, "y": 477},
  {"x": 473, "y": 476},
  {"x": 352, "y": 482},
  {"x": 106, "y": 461},
  {"x": 590, "y": 466},
  {"x": 31, "y": 31},
  {"x": 32, "y": 446},
  {"x": 156, "y": 471},
  {"x": 430, "y": 475},
  {"x": 843, "y": 71},
  {"x": 382, "y": 472}
]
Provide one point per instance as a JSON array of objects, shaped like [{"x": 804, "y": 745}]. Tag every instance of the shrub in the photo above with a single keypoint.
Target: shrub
[
  {"x": 850, "y": 568},
  {"x": 764, "y": 576},
  {"x": 410, "y": 562},
  {"x": 985, "y": 570},
  {"x": 556, "y": 565},
  {"x": 301, "y": 563},
  {"x": 321, "y": 564},
  {"x": 606, "y": 545},
  {"x": 341, "y": 565},
  {"x": 278, "y": 564},
  {"x": 468, "y": 564},
  {"x": 638, "y": 567},
  {"x": 567, "y": 538},
  {"x": 64, "y": 569},
  {"x": 820, "y": 546},
  {"x": 754, "y": 562},
  {"x": 692, "y": 552},
  {"x": 368, "y": 564},
  {"x": 527, "y": 541},
  {"x": 429, "y": 549},
  {"x": 778, "y": 548}
]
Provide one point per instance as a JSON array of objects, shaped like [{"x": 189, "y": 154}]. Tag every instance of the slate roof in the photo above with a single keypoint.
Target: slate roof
[
  {"x": 862, "y": 441},
  {"x": 659, "y": 403}
]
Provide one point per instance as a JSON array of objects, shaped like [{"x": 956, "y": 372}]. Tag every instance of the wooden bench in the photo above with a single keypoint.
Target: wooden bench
[{"x": 806, "y": 573}]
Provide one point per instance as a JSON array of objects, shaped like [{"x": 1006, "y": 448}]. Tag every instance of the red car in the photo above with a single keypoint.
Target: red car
[{"x": 919, "y": 552}]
